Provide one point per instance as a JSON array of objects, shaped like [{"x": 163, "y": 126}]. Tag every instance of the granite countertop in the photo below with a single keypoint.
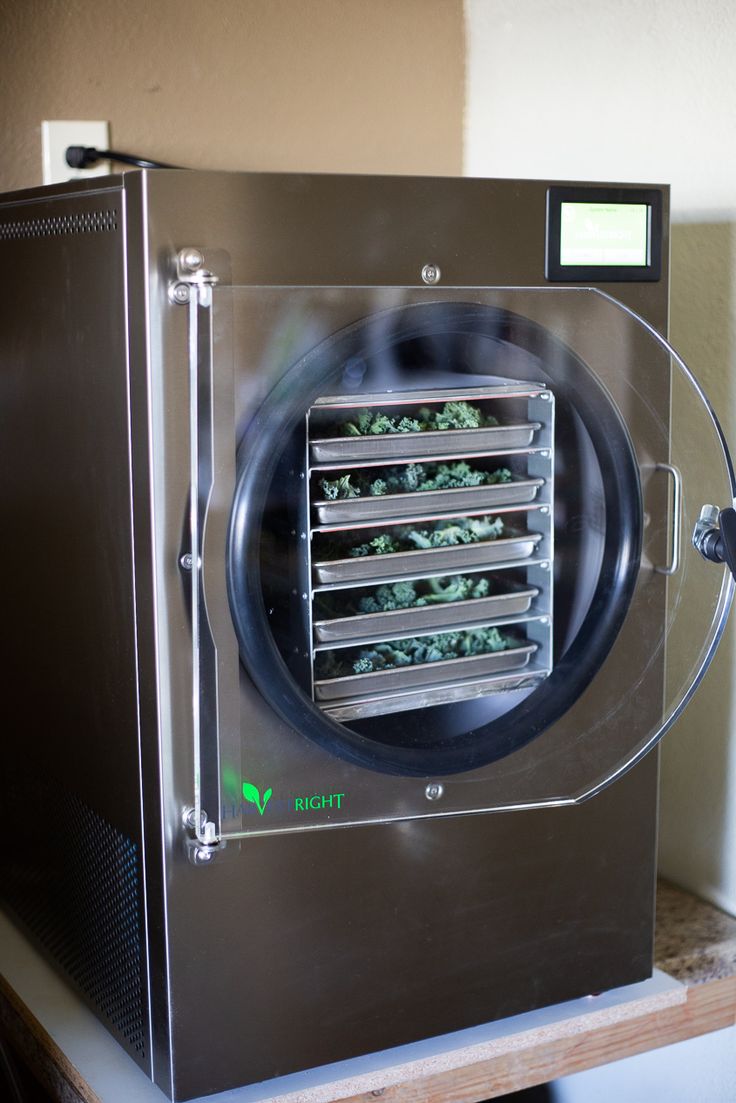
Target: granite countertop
[{"x": 695, "y": 942}]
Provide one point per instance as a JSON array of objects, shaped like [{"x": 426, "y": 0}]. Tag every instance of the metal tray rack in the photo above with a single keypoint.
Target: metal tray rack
[{"x": 522, "y": 441}]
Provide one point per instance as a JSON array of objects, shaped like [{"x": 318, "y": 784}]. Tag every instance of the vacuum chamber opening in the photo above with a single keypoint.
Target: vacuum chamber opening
[{"x": 449, "y": 536}]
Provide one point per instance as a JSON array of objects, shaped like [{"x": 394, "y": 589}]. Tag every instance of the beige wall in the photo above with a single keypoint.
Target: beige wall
[{"x": 315, "y": 85}]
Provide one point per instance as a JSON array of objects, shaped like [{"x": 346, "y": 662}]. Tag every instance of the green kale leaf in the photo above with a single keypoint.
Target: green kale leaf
[{"x": 415, "y": 651}]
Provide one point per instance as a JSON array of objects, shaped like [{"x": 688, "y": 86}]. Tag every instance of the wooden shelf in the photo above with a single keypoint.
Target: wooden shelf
[{"x": 693, "y": 992}]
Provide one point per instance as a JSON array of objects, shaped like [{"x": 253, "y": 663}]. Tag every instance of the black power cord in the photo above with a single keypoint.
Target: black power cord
[{"x": 83, "y": 157}]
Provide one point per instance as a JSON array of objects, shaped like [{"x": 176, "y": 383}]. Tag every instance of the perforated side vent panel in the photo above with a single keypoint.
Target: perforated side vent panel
[
  {"x": 90, "y": 222},
  {"x": 76, "y": 883}
]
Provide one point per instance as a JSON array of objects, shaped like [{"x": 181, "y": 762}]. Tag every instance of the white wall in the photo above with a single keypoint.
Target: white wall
[
  {"x": 701, "y": 1070},
  {"x": 640, "y": 90}
]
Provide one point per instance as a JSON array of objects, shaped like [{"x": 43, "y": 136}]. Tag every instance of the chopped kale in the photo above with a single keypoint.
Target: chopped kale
[
  {"x": 403, "y": 595},
  {"x": 408, "y": 425},
  {"x": 456, "y": 588},
  {"x": 399, "y": 595},
  {"x": 410, "y": 477},
  {"x": 379, "y": 545},
  {"x": 339, "y": 488},
  {"x": 453, "y": 415},
  {"x": 415, "y": 651},
  {"x": 466, "y": 530},
  {"x": 463, "y": 530}
]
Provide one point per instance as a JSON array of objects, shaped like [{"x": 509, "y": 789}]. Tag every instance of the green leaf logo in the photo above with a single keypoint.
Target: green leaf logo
[{"x": 253, "y": 795}]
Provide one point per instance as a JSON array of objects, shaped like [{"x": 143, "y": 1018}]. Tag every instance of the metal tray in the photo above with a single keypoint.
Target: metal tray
[
  {"x": 429, "y": 674},
  {"x": 500, "y": 388},
  {"x": 407, "y": 622},
  {"x": 379, "y": 704},
  {"x": 427, "y": 502},
  {"x": 376, "y": 568},
  {"x": 433, "y": 442}
]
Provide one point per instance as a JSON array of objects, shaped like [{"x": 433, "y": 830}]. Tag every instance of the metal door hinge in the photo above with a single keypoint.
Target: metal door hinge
[
  {"x": 194, "y": 287},
  {"x": 191, "y": 275},
  {"x": 202, "y": 841}
]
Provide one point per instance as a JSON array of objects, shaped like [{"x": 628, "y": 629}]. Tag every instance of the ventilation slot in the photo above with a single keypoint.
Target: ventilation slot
[
  {"x": 91, "y": 222},
  {"x": 77, "y": 886}
]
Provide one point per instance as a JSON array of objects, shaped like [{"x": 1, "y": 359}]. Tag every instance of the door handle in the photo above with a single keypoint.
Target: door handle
[{"x": 676, "y": 537}]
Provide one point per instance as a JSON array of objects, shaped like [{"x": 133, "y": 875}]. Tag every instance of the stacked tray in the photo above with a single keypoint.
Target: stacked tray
[
  {"x": 446, "y": 442},
  {"x": 424, "y": 503},
  {"x": 423, "y": 674},
  {"x": 443, "y": 693},
  {"x": 395, "y": 623},
  {"x": 522, "y": 501},
  {"x": 426, "y": 561}
]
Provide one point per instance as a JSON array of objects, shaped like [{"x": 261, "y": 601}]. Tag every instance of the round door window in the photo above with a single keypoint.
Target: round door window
[{"x": 436, "y": 537}]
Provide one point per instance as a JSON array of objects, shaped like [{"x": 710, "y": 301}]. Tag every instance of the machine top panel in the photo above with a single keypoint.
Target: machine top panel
[{"x": 337, "y": 231}]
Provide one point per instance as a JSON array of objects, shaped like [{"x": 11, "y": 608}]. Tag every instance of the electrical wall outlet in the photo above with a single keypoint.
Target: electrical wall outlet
[{"x": 58, "y": 134}]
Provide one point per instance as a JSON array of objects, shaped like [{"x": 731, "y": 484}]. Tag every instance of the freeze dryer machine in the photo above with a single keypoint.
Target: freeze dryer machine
[{"x": 361, "y": 536}]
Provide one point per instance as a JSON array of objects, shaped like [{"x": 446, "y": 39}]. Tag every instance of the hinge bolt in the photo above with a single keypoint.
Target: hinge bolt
[
  {"x": 431, "y": 273},
  {"x": 180, "y": 293},
  {"x": 190, "y": 819},
  {"x": 191, "y": 259},
  {"x": 433, "y": 791}
]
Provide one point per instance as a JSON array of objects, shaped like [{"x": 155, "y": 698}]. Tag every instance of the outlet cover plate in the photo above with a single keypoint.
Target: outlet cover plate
[{"x": 58, "y": 134}]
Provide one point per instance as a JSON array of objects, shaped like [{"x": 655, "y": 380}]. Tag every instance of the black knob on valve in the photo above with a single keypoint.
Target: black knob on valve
[
  {"x": 727, "y": 525},
  {"x": 715, "y": 536}
]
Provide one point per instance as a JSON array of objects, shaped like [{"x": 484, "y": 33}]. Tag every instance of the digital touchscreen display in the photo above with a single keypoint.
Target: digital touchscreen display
[{"x": 604, "y": 234}]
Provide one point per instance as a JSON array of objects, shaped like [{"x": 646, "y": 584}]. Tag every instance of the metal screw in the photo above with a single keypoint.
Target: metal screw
[
  {"x": 186, "y": 562},
  {"x": 203, "y": 855},
  {"x": 191, "y": 259},
  {"x": 431, "y": 273},
  {"x": 546, "y": 397},
  {"x": 180, "y": 294},
  {"x": 190, "y": 819},
  {"x": 544, "y": 509},
  {"x": 544, "y": 453},
  {"x": 434, "y": 791},
  {"x": 544, "y": 566}
]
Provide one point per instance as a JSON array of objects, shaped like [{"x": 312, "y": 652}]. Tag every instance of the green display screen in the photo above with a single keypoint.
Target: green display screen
[{"x": 605, "y": 234}]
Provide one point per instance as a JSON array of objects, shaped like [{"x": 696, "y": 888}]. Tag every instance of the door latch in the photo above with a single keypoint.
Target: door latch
[{"x": 714, "y": 536}]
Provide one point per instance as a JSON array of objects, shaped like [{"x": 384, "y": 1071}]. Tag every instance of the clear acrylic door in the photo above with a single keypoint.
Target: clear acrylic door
[{"x": 459, "y": 560}]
